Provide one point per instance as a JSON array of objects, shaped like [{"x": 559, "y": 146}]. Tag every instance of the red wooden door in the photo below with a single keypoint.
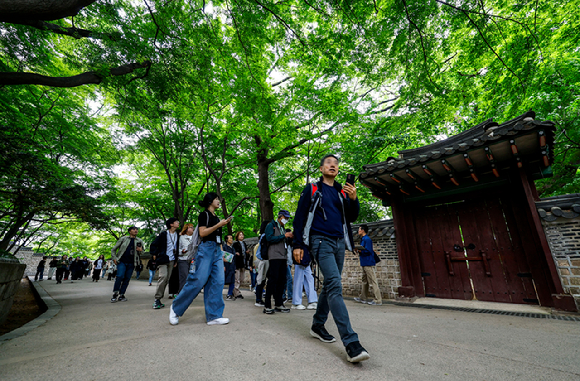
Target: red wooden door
[{"x": 473, "y": 250}]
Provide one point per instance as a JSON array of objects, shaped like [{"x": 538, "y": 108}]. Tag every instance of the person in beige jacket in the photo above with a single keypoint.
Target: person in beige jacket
[{"x": 125, "y": 256}]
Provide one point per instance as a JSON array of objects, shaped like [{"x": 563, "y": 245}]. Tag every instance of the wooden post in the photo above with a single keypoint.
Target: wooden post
[{"x": 560, "y": 300}]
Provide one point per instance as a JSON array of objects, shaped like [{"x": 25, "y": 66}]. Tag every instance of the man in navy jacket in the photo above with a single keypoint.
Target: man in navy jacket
[
  {"x": 322, "y": 230},
  {"x": 367, "y": 262}
]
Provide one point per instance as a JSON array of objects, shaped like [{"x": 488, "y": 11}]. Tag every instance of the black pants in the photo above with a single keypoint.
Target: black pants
[
  {"x": 276, "y": 282},
  {"x": 59, "y": 274}
]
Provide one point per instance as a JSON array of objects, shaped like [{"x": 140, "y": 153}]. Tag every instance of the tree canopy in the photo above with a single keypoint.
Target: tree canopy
[{"x": 126, "y": 112}]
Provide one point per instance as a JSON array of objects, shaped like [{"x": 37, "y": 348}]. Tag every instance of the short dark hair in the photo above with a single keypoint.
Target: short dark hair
[
  {"x": 365, "y": 228},
  {"x": 208, "y": 199},
  {"x": 326, "y": 157},
  {"x": 170, "y": 221}
]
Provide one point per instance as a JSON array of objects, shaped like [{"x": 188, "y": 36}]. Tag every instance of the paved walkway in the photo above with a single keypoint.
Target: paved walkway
[{"x": 93, "y": 339}]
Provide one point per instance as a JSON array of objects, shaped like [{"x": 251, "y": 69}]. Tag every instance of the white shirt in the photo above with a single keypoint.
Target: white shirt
[{"x": 171, "y": 242}]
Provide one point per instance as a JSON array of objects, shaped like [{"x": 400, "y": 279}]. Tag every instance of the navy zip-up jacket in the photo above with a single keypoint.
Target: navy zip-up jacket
[{"x": 351, "y": 209}]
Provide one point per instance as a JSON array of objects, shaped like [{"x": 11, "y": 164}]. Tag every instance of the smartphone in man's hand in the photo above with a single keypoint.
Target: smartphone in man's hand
[{"x": 350, "y": 179}]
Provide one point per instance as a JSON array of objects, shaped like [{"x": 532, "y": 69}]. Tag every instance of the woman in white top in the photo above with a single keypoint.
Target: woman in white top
[
  {"x": 183, "y": 261},
  {"x": 98, "y": 267}
]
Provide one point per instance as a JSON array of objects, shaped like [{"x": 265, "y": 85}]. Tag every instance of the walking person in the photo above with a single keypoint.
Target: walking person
[
  {"x": 322, "y": 226},
  {"x": 303, "y": 279},
  {"x": 241, "y": 262},
  {"x": 40, "y": 269},
  {"x": 152, "y": 267},
  {"x": 138, "y": 269},
  {"x": 368, "y": 264},
  {"x": 230, "y": 267},
  {"x": 98, "y": 267},
  {"x": 76, "y": 269},
  {"x": 261, "y": 264},
  {"x": 209, "y": 268},
  {"x": 125, "y": 255},
  {"x": 164, "y": 251},
  {"x": 185, "y": 257},
  {"x": 277, "y": 256},
  {"x": 67, "y": 269},
  {"x": 52, "y": 267},
  {"x": 61, "y": 267}
]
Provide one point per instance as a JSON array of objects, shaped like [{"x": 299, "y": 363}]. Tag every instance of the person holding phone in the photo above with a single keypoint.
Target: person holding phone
[
  {"x": 125, "y": 256},
  {"x": 209, "y": 267},
  {"x": 322, "y": 230}
]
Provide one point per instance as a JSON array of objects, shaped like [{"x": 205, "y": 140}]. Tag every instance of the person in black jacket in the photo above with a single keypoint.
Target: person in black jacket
[
  {"x": 164, "y": 250},
  {"x": 40, "y": 269},
  {"x": 241, "y": 261},
  {"x": 322, "y": 228},
  {"x": 230, "y": 267},
  {"x": 52, "y": 267},
  {"x": 76, "y": 269},
  {"x": 152, "y": 267}
]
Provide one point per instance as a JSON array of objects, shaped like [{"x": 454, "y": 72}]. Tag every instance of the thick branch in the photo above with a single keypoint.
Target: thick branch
[
  {"x": 68, "y": 31},
  {"x": 91, "y": 77},
  {"x": 18, "y": 10}
]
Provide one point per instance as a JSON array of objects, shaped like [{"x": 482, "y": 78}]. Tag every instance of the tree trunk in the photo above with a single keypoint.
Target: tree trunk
[{"x": 266, "y": 204}]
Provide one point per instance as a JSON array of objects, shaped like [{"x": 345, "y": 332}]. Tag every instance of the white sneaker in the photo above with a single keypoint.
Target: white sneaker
[
  {"x": 312, "y": 306},
  {"x": 360, "y": 300},
  {"x": 173, "y": 318},
  {"x": 298, "y": 307},
  {"x": 219, "y": 321}
]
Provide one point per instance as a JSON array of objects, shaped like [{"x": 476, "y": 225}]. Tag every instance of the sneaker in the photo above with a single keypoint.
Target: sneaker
[
  {"x": 284, "y": 300},
  {"x": 259, "y": 303},
  {"x": 359, "y": 300},
  {"x": 322, "y": 334},
  {"x": 312, "y": 306},
  {"x": 149, "y": 284},
  {"x": 219, "y": 321},
  {"x": 269, "y": 311},
  {"x": 298, "y": 307},
  {"x": 230, "y": 297},
  {"x": 240, "y": 296},
  {"x": 157, "y": 304},
  {"x": 373, "y": 303},
  {"x": 356, "y": 353},
  {"x": 122, "y": 298},
  {"x": 282, "y": 308},
  {"x": 173, "y": 318},
  {"x": 170, "y": 297},
  {"x": 114, "y": 298}
]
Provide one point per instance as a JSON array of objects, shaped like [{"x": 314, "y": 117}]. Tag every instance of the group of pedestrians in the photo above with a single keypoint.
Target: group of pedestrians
[{"x": 321, "y": 233}]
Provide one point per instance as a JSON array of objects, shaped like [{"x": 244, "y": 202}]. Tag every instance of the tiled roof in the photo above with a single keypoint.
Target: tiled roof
[
  {"x": 566, "y": 206},
  {"x": 485, "y": 148}
]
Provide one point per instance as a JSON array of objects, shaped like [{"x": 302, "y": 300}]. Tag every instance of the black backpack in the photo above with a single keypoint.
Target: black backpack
[{"x": 264, "y": 248}]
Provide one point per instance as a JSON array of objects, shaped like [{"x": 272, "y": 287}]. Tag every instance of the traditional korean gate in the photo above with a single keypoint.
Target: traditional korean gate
[{"x": 473, "y": 250}]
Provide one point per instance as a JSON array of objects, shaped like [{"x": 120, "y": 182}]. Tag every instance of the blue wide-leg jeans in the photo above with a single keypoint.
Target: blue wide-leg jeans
[
  {"x": 329, "y": 254},
  {"x": 209, "y": 275}
]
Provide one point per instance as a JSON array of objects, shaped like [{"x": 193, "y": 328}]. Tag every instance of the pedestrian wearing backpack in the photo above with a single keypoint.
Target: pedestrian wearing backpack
[
  {"x": 322, "y": 229},
  {"x": 277, "y": 255},
  {"x": 368, "y": 264},
  {"x": 164, "y": 250},
  {"x": 209, "y": 268}
]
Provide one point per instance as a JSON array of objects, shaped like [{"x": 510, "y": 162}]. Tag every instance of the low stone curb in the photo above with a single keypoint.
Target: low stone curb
[{"x": 52, "y": 306}]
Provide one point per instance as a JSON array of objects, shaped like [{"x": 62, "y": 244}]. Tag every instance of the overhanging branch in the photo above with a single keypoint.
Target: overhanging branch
[{"x": 91, "y": 77}]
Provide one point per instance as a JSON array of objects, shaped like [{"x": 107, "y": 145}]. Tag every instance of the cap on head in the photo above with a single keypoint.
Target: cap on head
[{"x": 284, "y": 213}]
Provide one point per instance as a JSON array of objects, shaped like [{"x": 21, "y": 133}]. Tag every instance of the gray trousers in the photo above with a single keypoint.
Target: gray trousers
[{"x": 164, "y": 275}]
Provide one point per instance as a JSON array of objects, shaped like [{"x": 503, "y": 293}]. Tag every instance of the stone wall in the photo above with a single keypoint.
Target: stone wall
[
  {"x": 31, "y": 259},
  {"x": 561, "y": 222},
  {"x": 11, "y": 273}
]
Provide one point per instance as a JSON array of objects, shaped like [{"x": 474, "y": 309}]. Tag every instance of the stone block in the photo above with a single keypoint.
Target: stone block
[
  {"x": 563, "y": 263},
  {"x": 565, "y": 271},
  {"x": 575, "y": 271},
  {"x": 575, "y": 262},
  {"x": 574, "y": 281}
]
